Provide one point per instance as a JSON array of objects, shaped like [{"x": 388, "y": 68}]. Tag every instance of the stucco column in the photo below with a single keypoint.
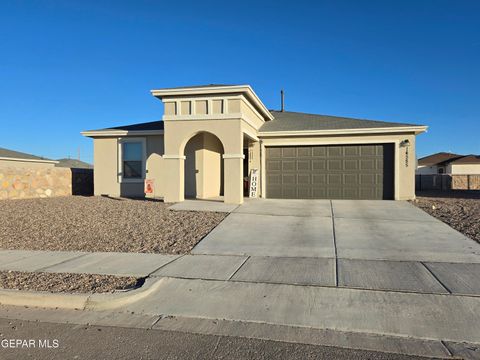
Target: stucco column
[
  {"x": 233, "y": 178},
  {"x": 174, "y": 178}
]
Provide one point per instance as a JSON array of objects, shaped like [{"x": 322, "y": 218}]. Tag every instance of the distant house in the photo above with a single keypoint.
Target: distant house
[
  {"x": 25, "y": 176},
  {"x": 73, "y": 164},
  {"x": 448, "y": 163},
  {"x": 17, "y": 159}
]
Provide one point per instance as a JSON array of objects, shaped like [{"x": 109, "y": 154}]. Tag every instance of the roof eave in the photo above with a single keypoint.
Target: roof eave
[
  {"x": 403, "y": 129},
  {"x": 245, "y": 89},
  {"x": 29, "y": 160},
  {"x": 115, "y": 133}
]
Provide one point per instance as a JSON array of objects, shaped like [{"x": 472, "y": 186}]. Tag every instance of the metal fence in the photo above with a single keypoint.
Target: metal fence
[{"x": 446, "y": 182}]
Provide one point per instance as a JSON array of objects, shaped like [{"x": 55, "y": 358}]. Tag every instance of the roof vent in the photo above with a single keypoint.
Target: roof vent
[{"x": 282, "y": 95}]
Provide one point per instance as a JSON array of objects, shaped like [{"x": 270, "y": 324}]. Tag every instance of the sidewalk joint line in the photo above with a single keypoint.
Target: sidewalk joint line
[
  {"x": 60, "y": 263},
  {"x": 158, "y": 318},
  {"x": 334, "y": 244},
  {"x": 168, "y": 263},
  {"x": 446, "y": 347},
  {"x": 241, "y": 265},
  {"x": 436, "y": 277}
]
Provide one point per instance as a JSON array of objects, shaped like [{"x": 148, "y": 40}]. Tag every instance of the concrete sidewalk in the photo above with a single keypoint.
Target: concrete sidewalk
[
  {"x": 432, "y": 301},
  {"x": 402, "y": 276}
]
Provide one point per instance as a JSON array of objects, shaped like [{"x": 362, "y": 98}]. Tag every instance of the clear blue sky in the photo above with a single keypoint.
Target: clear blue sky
[{"x": 67, "y": 66}]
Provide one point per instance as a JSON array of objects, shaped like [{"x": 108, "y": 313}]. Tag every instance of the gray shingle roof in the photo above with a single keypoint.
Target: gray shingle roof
[
  {"x": 296, "y": 121},
  {"x": 438, "y": 158},
  {"x": 19, "y": 155},
  {"x": 153, "y": 125},
  {"x": 73, "y": 163}
]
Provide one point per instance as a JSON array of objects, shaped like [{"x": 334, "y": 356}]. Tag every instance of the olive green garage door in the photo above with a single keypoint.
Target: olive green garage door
[{"x": 330, "y": 172}]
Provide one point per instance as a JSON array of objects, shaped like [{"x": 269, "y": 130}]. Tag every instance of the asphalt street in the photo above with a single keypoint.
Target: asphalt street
[{"x": 22, "y": 340}]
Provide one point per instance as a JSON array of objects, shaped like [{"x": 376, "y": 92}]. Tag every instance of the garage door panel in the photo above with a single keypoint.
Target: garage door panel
[
  {"x": 274, "y": 165},
  {"x": 335, "y": 172},
  {"x": 333, "y": 151},
  {"x": 303, "y": 179},
  {"x": 350, "y": 193},
  {"x": 288, "y": 165},
  {"x": 367, "y": 164},
  {"x": 289, "y": 152},
  {"x": 334, "y": 164},
  {"x": 319, "y": 179},
  {"x": 319, "y": 151},
  {"x": 289, "y": 179},
  {"x": 334, "y": 179},
  {"x": 350, "y": 164},
  {"x": 319, "y": 164},
  {"x": 353, "y": 151},
  {"x": 274, "y": 179},
  {"x": 303, "y": 165},
  {"x": 304, "y": 151},
  {"x": 350, "y": 179},
  {"x": 304, "y": 193}
]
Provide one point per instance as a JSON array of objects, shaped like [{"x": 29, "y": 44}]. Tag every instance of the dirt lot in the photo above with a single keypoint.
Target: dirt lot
[
  {"x": 460, "y": 210},
  {"x": 101, "y": 224},
  {"x": 71, "y": 283}
]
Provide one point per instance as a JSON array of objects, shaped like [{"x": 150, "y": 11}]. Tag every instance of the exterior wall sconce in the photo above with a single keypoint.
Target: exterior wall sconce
[{"x": 405, "y": 143}]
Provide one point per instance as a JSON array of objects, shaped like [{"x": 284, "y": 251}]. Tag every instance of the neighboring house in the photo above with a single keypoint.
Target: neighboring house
[
  {"x": 211, "y": 137},
  {"x": 448, "y": 163},
  {"x": 28, "y": 176},
  {"x": 73, "y": 164},
  {"x": 19, "y": 159}
]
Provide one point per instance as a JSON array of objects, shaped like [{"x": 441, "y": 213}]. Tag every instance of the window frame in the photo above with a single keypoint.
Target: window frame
[{"x": 143, "y": 142}]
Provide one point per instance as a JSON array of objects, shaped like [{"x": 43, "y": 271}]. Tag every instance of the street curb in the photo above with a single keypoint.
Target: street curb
[
  {"x": 115, "y": 300},
  {"x": 77, "y": 301}
]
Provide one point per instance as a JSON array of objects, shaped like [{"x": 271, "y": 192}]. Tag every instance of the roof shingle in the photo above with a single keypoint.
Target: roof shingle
[{"x": 296, "y": 121}]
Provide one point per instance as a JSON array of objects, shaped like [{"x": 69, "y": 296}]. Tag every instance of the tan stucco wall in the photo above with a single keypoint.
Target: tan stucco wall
[
  {"x": 404, "y": 175},
  {"x": 106, "y": 163},
  {"x": 463, "y": 169},
  {"x": 229, "y": 133},
  {"x": 25, "y": 164}
]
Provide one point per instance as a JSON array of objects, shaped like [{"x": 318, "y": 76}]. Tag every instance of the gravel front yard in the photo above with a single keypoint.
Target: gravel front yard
[
  {"x": 77, "y": 223},
  {"x": 459, "y": 210},
  {"x": 60, "y": 282}
]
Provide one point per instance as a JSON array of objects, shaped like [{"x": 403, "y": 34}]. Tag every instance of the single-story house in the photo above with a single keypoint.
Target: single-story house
[
  {"x": 211, "y": 138},
  {"x": 448, "y": 163},
  {"x": 17, "y": 159}
]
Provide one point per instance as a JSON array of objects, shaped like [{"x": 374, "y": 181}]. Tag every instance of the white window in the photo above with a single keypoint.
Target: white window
[{"x": 132, "y": 159}]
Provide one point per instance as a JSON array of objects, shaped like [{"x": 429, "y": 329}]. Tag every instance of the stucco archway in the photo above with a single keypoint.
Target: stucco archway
[{"x": 203, "y": 168}]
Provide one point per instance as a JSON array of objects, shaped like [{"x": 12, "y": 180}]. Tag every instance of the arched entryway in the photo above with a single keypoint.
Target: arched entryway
[{"x": 203, "y": 175}]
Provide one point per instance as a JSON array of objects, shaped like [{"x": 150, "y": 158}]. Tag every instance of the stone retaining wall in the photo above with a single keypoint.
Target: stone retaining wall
[{"x": 26, "y": 183}]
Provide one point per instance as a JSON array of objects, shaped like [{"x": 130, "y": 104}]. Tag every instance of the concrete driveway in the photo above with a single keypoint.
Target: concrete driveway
[
  {"x": 377, "y": 245},
  {"x": 346, "y": 229}
]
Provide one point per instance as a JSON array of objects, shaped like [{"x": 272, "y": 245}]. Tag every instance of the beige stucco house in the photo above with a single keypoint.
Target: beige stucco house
[
  {"x": 212, "y": 137},
  {"x": 448, "y": 163}
]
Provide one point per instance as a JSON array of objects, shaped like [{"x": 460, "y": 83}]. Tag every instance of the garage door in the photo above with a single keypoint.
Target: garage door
[{"x": 330, "y": 172}]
